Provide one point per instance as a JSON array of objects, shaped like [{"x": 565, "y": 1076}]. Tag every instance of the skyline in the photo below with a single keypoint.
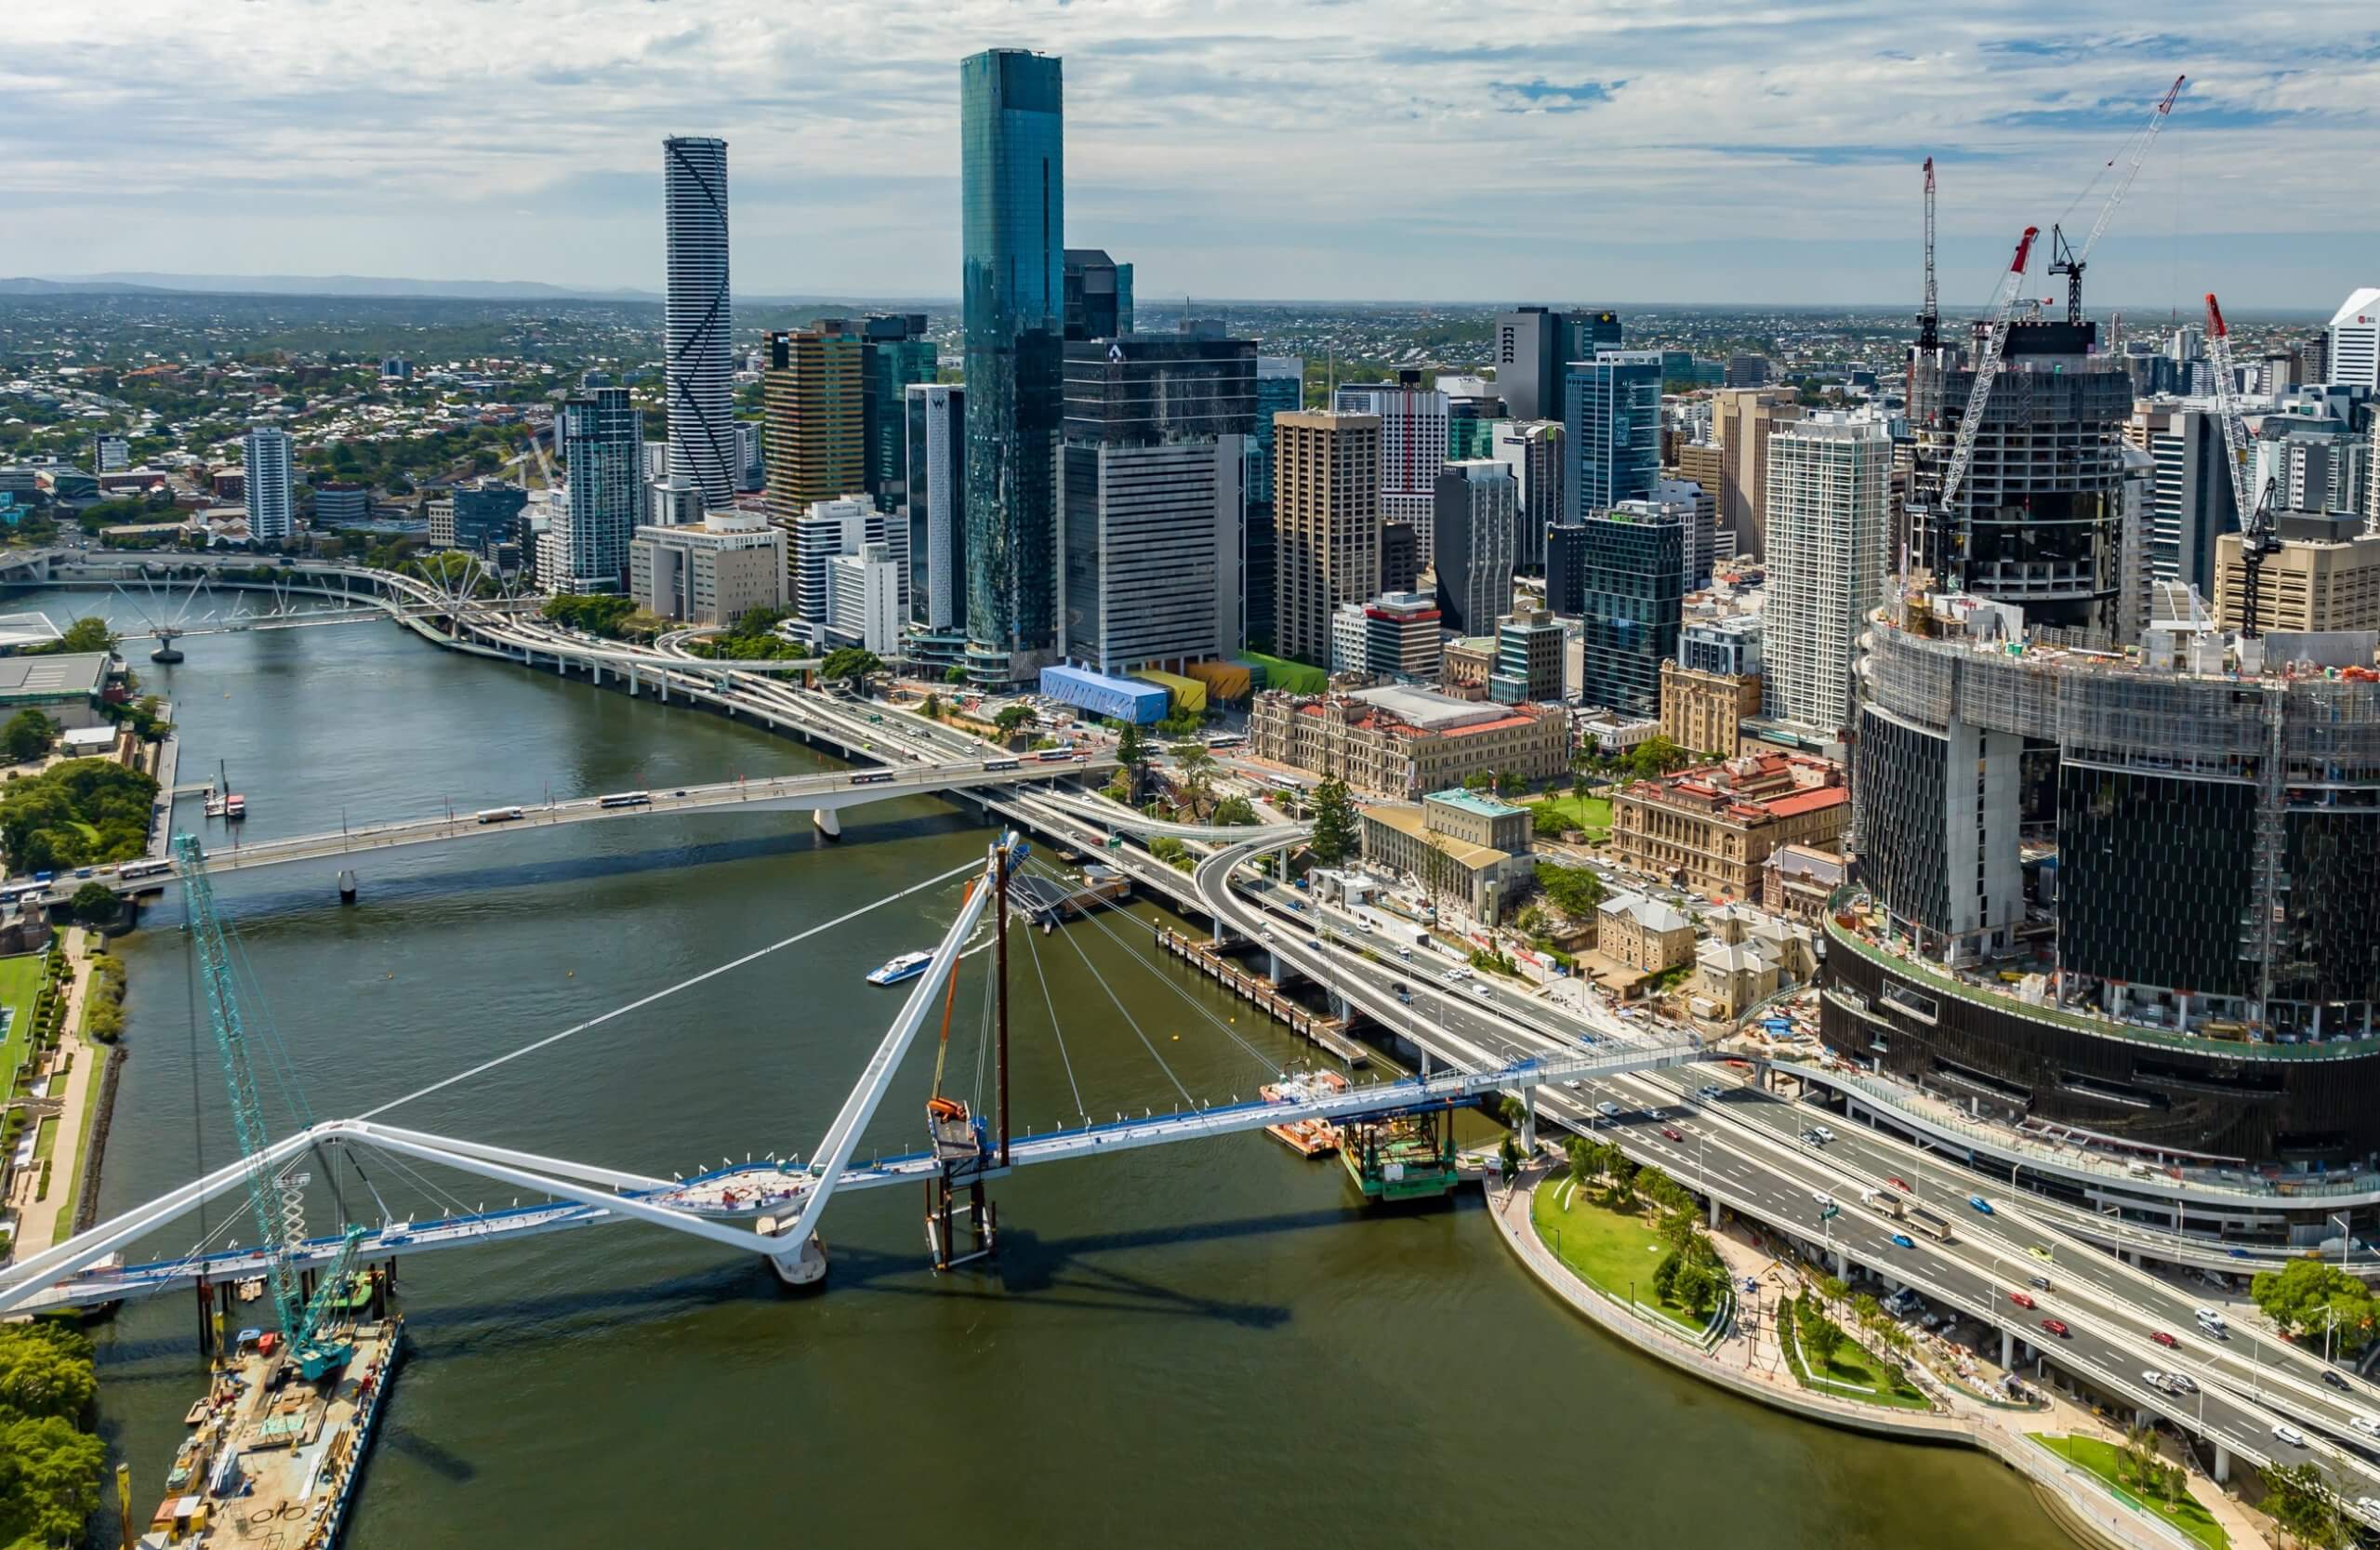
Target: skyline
[{"x": 1223, "y": 151}]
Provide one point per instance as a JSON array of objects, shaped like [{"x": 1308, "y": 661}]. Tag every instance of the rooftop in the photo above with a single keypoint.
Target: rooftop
[
  {"x": 1408, "y": 820},
  {"x": 1651, "y": 914},
  {"x": 46, "y": 677},
  {"x": 1472, "y": 801}
]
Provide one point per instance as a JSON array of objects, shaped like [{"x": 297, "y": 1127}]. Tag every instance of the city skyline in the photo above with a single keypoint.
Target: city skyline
[{"x": 1228, "y": 159}]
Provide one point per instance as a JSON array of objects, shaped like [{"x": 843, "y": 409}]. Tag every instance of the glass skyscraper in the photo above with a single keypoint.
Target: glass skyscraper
[
  {"x": 1013, "y": 233},
  {"x": 1631, "y": 569},
  {"x": 1613, "y": 408}
]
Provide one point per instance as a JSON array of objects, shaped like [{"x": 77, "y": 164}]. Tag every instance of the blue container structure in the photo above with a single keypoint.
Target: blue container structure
[{"x": 1123, "y": 700}]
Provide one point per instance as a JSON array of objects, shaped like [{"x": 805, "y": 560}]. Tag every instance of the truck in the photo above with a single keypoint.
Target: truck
[
  {"x": 1882, "y": 1201},
  {"x": 1927, "y": 1222}
]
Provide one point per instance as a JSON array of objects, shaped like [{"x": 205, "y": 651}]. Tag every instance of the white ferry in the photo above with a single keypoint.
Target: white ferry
[{"x": 906, "y": 966}]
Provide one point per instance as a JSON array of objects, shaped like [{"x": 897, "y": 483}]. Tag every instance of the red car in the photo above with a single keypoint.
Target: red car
[
  {"x": 2162, "y": 1338},
  {"x": 1670, "y": 1132},
  {"x": 1899, "y": 1182},
  {"x": 2056, "y": 1327},
  {"x": 2022, "y": 1300}
]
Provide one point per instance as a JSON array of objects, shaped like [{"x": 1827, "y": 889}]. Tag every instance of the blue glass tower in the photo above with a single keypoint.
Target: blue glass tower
[
  {"x": 1012, "y": 232},
  {"x": 1612, "y": 410}
]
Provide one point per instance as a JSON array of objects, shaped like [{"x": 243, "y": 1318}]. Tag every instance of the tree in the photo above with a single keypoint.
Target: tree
[
  {"x": 855, "y": 665},
  {"x": 85, "y": 634},
  {"x": 1508, "y": 782},
  {"x": 1197, "y": 764},
  {"x": 46, "y": 1369},
  {"x": 2300, "y": 1501},
  {"x": 1233, "y": 811},
  {"x": 28, "y": 735},
  {"x": 1011, "y": 718},
  {"x": 1173, "y": 852},
  {"x": 49, "y": 1481},
  {"x": 1576, "y": 889},
  {"x": 1335, "y": 836},
  {"x": 95, "y": 904},
  {"x": 1133, "y": 753},
  {"x": 1655, "y": 756},
  {"x": 931, "y": 709},
  {"x": 954, "y": 674},
  {"x": 2314, "y": 1296}
]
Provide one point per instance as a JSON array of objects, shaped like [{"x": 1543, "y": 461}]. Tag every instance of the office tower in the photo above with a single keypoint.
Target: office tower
[
  {"x": 1829, "y": 527},
  {"x": 342, "y": 504},
  {"x": 487, "y": 514},
  {"x": 1742, "y": 421},
  {"x": 1529, "y": 658},
  {"x": 656, "y": 455},
  {"x": 1728, "y": 647},
  {"x": 1747, "y": 371},
  {"x": 751, "y": 463},
  {"x": 1098, "y": 293},
  {"x": 1532, "y": 346},
  {"x": 1565, "y": 569},
  {"x": 1612, "y": 438},
  {"x": 2190, "y": 502},
  {"x": 672, "y": 502},
  {"x": 2039, "y": 521},
  {"x": 1150, "y": 499},
  {"x": 1474, "y": 414},
  {"x": 2351, "y": 344},
  {"x": 1632, "y": 604},
  {"x": 844, "y": 525},
  {"x": 1702, "y": 549},
  {"x": 1476, "y": 501},
  {"x": 601, "y": 437},
  {"x": 894, "y": 354},
  {"x": 1012, "y": 199},
  {"x": 109, "y": 454},
  {"x": 1532, "y": 449},
  {"x": 1413, "y": 445},
  {"x": 1280, "y": 385},
  {"x": 2313, "y": 462},
  {"x": 1326, "y": 523},
  {"x": 266, "y": 453},
  {"x": 696, "y": 369},
  {"x": 863, "y": 606},
  {"x": 1400, "y": 557},
  {"x": 813, "y": 393},
  {"x": 2325, "y": 576},
  {"x": 709, "y": 572},
  {"x": 1591, "y": 333},
  {"x": 937, "y": 506},
  {"x": 1401, "y": 637}
]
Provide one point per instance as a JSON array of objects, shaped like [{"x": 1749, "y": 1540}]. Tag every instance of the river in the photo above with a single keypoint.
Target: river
[{"x": 1178, "y": 1346}]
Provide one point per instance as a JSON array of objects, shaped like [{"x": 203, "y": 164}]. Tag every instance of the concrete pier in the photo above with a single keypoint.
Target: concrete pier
[{"x": 1331, "y": 1035}]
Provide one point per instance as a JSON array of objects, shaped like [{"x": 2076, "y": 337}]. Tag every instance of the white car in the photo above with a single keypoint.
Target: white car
[
  {"x": 2365, "y": 1424},
  {"x": 2367, "y": 1506},
  {"x": 1823, "y": 1134},
  {"x": 1822, "y": 1198},
  {"x": 1608, "y": 1109},
  {"x": 1709, "y": 1089},
  {"x": 1480, "y": 990},
  {"x": 2156, "y": 1380},
  {"x": 2289, "y": 1434}
]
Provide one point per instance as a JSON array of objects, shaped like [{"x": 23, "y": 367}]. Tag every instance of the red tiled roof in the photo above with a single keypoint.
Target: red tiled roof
[{"x": 1815, "y": 799}]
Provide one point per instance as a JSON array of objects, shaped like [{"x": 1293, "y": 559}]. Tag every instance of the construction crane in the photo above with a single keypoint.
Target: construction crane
[
  {"x": 2259, "y": 530},
  {"x": 2071, "y": 261},
  {"x": 278, "y": 1201},
  {"x": 1995, "y": 329},
  {"x": 1929, "y": 322}
]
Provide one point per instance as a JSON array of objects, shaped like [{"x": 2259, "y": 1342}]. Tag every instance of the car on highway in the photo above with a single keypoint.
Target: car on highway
[
  {"x": 2282, "y": 1431},
  {"x": 2368, "y": 1505},
  {"x": 2364, "y": 1424},
  {"x": 2057, "y": 1327},
  {"x": 2182, "y": 1383},
  {"x": 1670, "y": 1132},
  {"x": 2209, "y": 1320},
  {"x": 2162, "y": 1338},
  {"x": 1823, "y": 1134},
  {"x": 2157, "y": 1381},
  {"x": 1811, "y": 1138},
  {"x": 1902, "y": 1240},
  {"x": 1481, "y": 990},
  {"x": 2041, "y": 1283},
  {"x": 1710, "y": 1091},
  {"x": 1979, "y": 1203},
  {"x": 1608, "y": 1109},
  {"x": 2337, "y": 1380},
  {"x": 1898, "y": 1183},
  {"x": 2239, "y": 1253},
  {"x": 2022, "y": 1300},
  {"x": 2040, "y": 1252},
  {"x": 1822, "y": 1198}
]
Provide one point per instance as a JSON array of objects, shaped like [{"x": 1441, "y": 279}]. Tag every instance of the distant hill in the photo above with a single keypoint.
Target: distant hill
[
  {"x": 323, "y": 285},
  {"x": 27, "y": 285}
]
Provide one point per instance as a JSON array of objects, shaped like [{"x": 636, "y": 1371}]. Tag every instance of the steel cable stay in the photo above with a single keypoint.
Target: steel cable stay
[
  {"x": 1066, "y": 1060},
  {"x": 1138, "y": 1031}
]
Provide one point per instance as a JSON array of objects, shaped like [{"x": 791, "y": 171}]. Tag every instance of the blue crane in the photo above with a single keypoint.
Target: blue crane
[{"x": 281, "y": 1229}]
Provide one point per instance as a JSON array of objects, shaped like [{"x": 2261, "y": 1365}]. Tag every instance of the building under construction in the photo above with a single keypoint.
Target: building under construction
[{"x": 2181, "y": 954}]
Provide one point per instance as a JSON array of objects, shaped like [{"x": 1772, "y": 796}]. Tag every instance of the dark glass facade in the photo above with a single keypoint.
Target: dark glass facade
[
  {"x": 1400, "y": 557},
  {"x": 898, "y": 353},
  {"x": 1155, "y": 387},
  {"x": 1612, "y": 432},
  {"x": 1012, "y": 205},
  {"x": 1565, "y": 569},
  {"x": 1633, "y": 587},
  {"x": 1901, "y": 778},
  {"x": 487, "y": 514},
  {"x": 1098, "y": 295}
]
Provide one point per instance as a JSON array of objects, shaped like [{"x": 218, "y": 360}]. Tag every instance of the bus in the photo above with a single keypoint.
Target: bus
[
  {"x": 1002, "y": 764},
  {"x": 1226, "y": 740},
  {"x": 874, "y": 777},
  {"x": 143, "y": 868},
  {"x": 1055, "y": 756},
  {"x": 626, "y": 798},
  {"x": 500, "y": 814}
]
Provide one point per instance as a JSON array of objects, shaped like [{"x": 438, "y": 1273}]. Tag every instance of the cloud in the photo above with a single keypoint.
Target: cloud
[{"x": 1246, "y": 147}]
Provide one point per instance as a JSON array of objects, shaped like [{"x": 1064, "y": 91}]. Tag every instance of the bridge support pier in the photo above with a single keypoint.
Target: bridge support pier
[
  {"x": 2222, "y": 1464},
  {"x": 1528, "y": 1121},
  {"x": 346, "y": 885},
  {"x": 802, "y": 1267},
  {"x": 2007, "y": 1351},
  {"x": 1715, "y": 1214},
  {"x": 823, "y": 819},
  {"x": 1277, "y": 968}
]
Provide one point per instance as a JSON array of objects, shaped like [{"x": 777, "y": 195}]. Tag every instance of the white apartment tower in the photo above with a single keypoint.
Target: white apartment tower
[
  {"x": 697, "y": 370},
  {"x": 1413, "y": 449},
  {"x": 1829, "y": 525},
  {"x": 831, "y": 528},
  {"x": 266, "y": 452},
  {"x": 2354, "y": 354}
]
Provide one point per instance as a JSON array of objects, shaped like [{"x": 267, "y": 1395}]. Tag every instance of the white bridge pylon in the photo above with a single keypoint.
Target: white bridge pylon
[{"x": 709, "y": 1205}]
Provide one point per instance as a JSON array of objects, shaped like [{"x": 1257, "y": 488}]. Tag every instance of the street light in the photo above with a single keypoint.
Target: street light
[{"x": 2346, "y": 1237}]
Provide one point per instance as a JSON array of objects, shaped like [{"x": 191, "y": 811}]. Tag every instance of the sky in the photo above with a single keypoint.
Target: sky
[{"x": 1688, "y": 151}]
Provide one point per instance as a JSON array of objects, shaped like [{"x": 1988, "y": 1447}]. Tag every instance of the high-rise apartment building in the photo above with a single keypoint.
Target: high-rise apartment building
[
  {"x": 2190, "y": 502},
  {"x": 1150, "y": 501},
  {"x": 697, "y": 369},
  {"x": 1632, "y": 563},
  {"x": 1532, "y": 449},
  {"x": 1612, "y": 436},
  {"x": 602, "y": 436},
  {"x": 814, "y": 392},
  {"x": 1326, "y": 523},
  {"x": 1532, "y": 346},
  {"x": 266, "y": 453},
  {"x": 1098, "y": 295},
  {"x": 1477, "y": 504},
  {"x": 1829, "y": 526},
  {"x": 2351, "y": 347},
  {"x": 1012, "y": 175},
  {"x": 863, "y": 603},
  {"x": 936, "y": 483},
  {"x": 844, "y": 525},
  {"x": 1742, "y": 421},
  {"x": 1280, "y": 386},
  {"x": 1413, "y": 447}
]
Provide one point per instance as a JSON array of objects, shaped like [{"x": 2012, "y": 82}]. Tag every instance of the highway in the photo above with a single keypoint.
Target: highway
[{"x": 1743, "y": 1149}]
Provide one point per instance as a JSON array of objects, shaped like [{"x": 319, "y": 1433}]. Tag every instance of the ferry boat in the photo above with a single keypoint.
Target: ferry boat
[
  {"x": 272, "y": 1461},
  {"x": 236, "y": 807},
  {"x": 894, "y": 971},
  {"x": 1305, "y": 1137}
]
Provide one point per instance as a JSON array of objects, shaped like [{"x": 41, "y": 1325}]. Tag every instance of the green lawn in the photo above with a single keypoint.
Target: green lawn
[
  {"x": 1591, "y": 813},
  {"x": 46, "y": 1138},
  {"x": 20, "y": 980},
  {"x": 2100, "y": 1458},
  {"x": 1607, "y": 1250},
  {"x": 1855, "y": 1364}
]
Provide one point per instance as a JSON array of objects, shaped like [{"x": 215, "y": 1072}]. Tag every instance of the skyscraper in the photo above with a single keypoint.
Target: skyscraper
[
  {"x": 1280, "y": 385},
  {"x": 813, "y": 393},
  {"x": 1532, "y": 449},
  {"x": 1741, "y": 419},
  {"x": 1013, "y": 206},
  {"x": 1098, "y": 295},
  {"x": 1631, "y": 563},
  {"x": 836, "y": 527},
  {"x": 1476, "y": 500},
  {"x": 2351, "y": 349},
  {"x": 1531, "y": 346},
  {"x": 1591, "y": 333},
  {"x": 602, "y": 436},
  {"x": 1413, "y": 447},
  {"x": 937, "y": 506},
  {"x": 698, "y": 373},
  {"x": 2191, "y": 503},
  {"x": 1830, "y": 518},
  {"x": 1613, "y": 434},
  {"x": 266, "y": 452},
  {"x": 896, "y": 354},
  {"x": 1326, "y": 522}
]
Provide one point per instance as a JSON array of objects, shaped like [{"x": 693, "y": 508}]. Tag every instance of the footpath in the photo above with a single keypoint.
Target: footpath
[
  {"x": 1747, "y": 1359},
  {"x": 41, "y": 1215}
]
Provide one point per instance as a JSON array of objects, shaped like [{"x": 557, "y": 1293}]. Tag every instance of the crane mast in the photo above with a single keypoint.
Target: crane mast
[
  {"x": 1986, "y": 370},
  {"x": 2260, "y": 532},
  {"x": 1929, "y": 322},
  {"x": 2071, "y": 261}
]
